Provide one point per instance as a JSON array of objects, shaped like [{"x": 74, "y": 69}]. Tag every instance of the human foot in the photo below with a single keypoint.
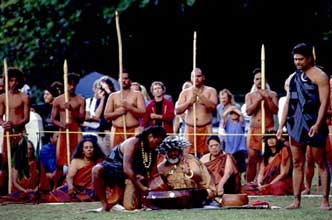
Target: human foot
[
  {"x": 306, "y": 192},
  {"x": 294, "y": 205}
]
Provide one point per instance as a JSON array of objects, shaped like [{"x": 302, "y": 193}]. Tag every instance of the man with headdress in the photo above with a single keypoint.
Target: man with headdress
[
  {"x": 181, "y": 170},
  {"x": 128, "y": 169},
  {"x": 19, "y": 113},
  {"x": 305, "y": 113},
  {"x": 124, "y": 108},
  {"x": 76, "y": 109},
  {"x": 253, "y": 101}
]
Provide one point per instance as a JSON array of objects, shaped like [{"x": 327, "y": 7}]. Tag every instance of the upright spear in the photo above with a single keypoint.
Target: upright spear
[
  {"x": 65, "y": 80},
  {"x": 9, "y": 154},
  {"x": 263, "y": 88},
  {"x": 194, "y": 86},
  {"x": 118, "y": 31}
]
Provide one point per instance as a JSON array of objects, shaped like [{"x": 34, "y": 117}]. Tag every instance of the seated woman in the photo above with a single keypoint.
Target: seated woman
[
  {"x": 78, "y": 186},
  {"x": 27, "y": 184},
  {"x": 223, "y": 168},
  {"x": 275, "y": 173}
]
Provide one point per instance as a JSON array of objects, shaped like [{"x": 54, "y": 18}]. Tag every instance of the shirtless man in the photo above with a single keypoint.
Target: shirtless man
[
  {"x": 205, "y": 99},
  {"x": 19, "y": 116},
  {"x": 128, "y": 169},
  {"x": 131, "y": 106},
  {"x": 76, "y": 108},
  {"x": 253, "y": 108}
]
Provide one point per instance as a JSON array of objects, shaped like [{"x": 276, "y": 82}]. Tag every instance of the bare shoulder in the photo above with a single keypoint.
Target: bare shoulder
[
  {"x": 211, "y": 89},
  {"x": 129, "y": 145},
  {"x": 59, "y": 99},
  {"x": 114, "y": 95},
  {"x": 205, "y": 158},
  {"x": 75, "y": 162}
]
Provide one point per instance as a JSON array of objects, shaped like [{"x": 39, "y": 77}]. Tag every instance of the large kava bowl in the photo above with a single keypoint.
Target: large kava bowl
[{"x": 175, "y": 199}]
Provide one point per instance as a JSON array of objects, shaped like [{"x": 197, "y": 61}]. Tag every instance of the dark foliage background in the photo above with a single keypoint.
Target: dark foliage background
[{"x": 157, "y": 39}]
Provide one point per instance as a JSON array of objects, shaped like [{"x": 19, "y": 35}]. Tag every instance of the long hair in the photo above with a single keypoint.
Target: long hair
[
  {"x": 156, "y": 131},
  {"x": 268, "y": 153},
  {"x": 97, "y": 153}
]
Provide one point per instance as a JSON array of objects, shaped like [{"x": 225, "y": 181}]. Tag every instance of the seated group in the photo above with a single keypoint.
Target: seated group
[{"x": 217, "y": 172}]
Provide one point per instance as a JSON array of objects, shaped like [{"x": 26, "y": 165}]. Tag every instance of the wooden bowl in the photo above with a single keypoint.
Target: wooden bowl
[{"x": 234, "y": 200}]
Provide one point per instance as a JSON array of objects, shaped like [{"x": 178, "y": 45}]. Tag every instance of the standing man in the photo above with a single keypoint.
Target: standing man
[
  {"x": 76, "y": 108},
  {"x": 131, "y": 106},
  {"x": 205, "y": 99},
  {"x": 128, "y": 168},
  {"x": 19, "y": 115},
  {"x": 253, "y": 101},
  {"x": 160, "y": 111},
  {"x": 305, "y": 113}
]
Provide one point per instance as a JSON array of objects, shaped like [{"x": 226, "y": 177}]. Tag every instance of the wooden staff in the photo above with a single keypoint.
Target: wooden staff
[
  {"x": 194, "y": 86},
  {"x": 9, "y": 154},
  {"x": 118, "y": 31},
  {"x": 263, "y": 88},
  {"x": 65, "y": 80},
  {"x": 314, "y": 54}
]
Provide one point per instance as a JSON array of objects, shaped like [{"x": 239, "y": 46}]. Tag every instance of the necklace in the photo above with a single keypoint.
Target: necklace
[{"x": 147, "y": 157}]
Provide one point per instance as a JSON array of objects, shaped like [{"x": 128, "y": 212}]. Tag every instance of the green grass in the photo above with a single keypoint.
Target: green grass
[{"x": 310, "y": 210}]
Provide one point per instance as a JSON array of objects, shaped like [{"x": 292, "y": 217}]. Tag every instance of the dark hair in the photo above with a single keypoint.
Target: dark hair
[
  {"x": 303, "y": 49},
  {"x": 14, "y": 72},
  {"x": 213, "y": 137},
  {"x": 156, "y": 131},
  {"x": 97, "y": 153},
  {"x": 108, "y": 81},
  {"x": 73, "y": 77},
  {"x": 54, "y": 92},
  {"x": 268, "y": 153},
  {"x": 59, "y": 86}
]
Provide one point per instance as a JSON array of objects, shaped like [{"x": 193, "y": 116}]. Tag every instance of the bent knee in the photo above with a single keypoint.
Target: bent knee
[{"x": 97, "y": 171}]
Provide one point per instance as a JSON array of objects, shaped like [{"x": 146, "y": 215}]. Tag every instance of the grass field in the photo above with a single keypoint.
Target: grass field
[{"x": 310, "y": 211}]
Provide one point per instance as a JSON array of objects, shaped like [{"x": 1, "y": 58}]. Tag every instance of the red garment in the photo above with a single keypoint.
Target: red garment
[
  {"x": 202, "y": 133},
  {"x": 217, "y": 169},
  {"x": 83, "y": 187},
  {"x": 28, "y": 183},
  {"x": 271, "y": 171},
  {"x": 167, "y": 112},
  {"x": 61, "y": 150},
  {"x": 118, "y": 137}
]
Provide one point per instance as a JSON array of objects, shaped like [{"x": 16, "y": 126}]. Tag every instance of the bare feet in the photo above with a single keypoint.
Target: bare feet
[
  {"x": 294, "y": 205},
  {"x": 306, "y": 192},
  {"x": 325, "y": 205}
]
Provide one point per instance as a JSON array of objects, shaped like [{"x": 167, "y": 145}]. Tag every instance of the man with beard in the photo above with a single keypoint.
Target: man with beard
[
  {"x": 305, "y": 113},
  {"x": 181, "y": 170},
  {"x": 204, "y": 98},
  {"x": 124, "y": 109},
  {"x": 128, "y": 169}
]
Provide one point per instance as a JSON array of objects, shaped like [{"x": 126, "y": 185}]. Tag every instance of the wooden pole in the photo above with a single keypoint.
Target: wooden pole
[
  {"x": 118, "y": 31},
  {"x": 263, "y": 88},
  {"x": 314, "y": 54},
  {"x": 9, "y": 154},
  {"x": 65, "y": 80},
  {"x": 194, "y": 86}
]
